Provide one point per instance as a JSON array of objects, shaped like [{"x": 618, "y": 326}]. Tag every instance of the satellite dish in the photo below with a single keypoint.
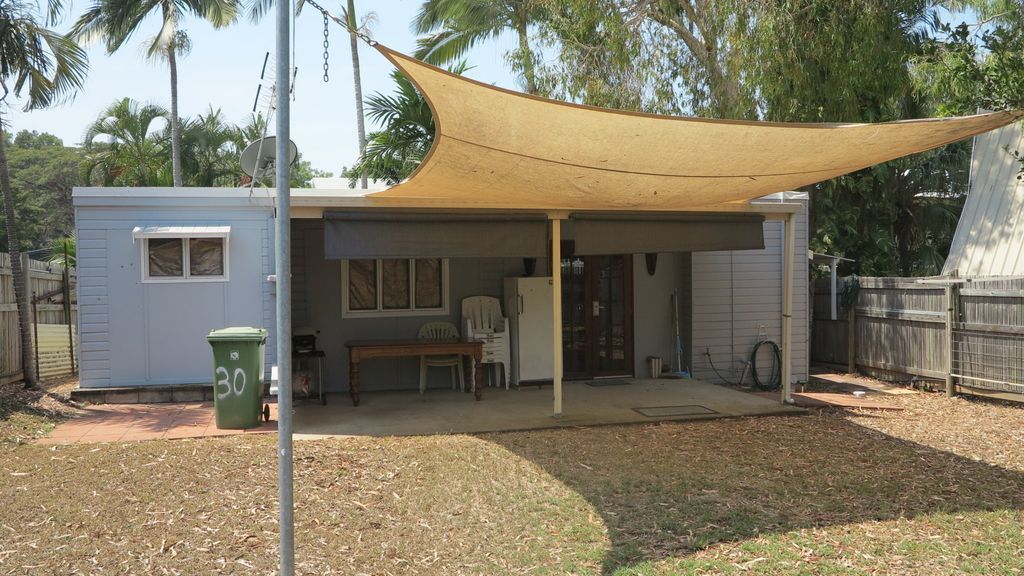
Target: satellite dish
[{"x": 259, "y": 159}]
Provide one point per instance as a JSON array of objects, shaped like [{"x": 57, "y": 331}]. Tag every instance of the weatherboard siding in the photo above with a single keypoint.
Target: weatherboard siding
[
  {"x": 737, "y": 298},
  {"x": 137, "y": 334}
]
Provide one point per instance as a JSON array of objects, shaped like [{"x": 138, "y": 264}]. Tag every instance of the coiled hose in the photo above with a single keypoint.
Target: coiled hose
[{"x": 775, "y": 377}]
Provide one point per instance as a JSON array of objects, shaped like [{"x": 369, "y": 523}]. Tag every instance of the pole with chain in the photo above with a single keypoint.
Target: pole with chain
[{"x": 282, "y": 237}]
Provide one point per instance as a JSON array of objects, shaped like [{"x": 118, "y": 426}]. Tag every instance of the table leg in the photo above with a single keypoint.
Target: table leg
[
  {"x": 477, "y": 389},
  {"x": 467, "y": 373},
  {"x": 353, "y": 381}
]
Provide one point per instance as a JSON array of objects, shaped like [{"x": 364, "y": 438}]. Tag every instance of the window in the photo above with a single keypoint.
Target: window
[
  {"x": 192, "y": 259},
  {"x": 394, "y": 287}
]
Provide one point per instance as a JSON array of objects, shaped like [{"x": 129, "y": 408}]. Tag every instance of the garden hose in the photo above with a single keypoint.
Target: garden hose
[{"x": 775, "y": 378}]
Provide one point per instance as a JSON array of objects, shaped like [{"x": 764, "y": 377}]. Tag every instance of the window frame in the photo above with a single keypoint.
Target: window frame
[
  {"x": 380, "y": 311},
  {"x": 186, "y": 268}
]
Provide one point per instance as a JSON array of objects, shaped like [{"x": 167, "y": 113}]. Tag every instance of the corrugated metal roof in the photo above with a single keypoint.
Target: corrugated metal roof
[{"x": 989, "y": 239}]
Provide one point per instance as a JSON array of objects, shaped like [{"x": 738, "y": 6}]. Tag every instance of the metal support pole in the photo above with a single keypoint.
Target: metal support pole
[
  {"x": 35, "y": 333},
  {"x": 282, "y": 235},
  {"x": 29, "y": 373},
  {"x": 950, "y": 319},
  {"x": 67, "y": 308},
  {"x": 835, "y": 293},
  {"x": 788, "y": 247},
  {"x": 556, "y": 309},
  {"x": 851, "y": 339}
]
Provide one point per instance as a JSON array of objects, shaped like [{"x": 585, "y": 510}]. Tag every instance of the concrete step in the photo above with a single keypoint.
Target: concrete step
[{"x": 144, "y": 394}]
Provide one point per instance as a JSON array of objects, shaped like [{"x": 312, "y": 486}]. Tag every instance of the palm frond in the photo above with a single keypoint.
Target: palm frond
[{"x": 49, "y": 67}]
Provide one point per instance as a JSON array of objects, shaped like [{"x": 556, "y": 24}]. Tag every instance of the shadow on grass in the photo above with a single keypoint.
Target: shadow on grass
[
  {"x": 16, "y": 399},
  {"x": 672, "y": 489}
]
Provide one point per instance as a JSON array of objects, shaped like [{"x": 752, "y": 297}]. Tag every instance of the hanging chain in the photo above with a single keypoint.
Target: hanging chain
[
  {"x": 327, "y": 45},
  {"x": 328, "y": 18}
]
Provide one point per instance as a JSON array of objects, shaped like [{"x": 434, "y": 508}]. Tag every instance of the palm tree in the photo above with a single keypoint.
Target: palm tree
[
  {"x": 47, "y": 67},
  {"x": 125, "y": 146},
  {"x": 349, "y": 14},
  {"x": 209, "y": 150},
  {"x": 62, "y": 252},
  {"x": 115, "y": 21},
  {"x": 454, "y": 26},
  {"x": 393, "y": 152}
]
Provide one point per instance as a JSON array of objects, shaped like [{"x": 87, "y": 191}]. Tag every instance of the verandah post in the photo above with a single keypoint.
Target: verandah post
[
  {"x": 788, "y": 247},
  {"x": 556, "y": 308}
]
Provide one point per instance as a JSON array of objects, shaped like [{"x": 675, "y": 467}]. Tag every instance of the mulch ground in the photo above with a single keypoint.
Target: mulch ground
[
  {"x": 936, "y": 488},
  {"x": 27, "y": 414}
]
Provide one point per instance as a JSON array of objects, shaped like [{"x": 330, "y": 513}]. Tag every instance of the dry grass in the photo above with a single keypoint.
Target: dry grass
[
  {"x": 26, "y": 414},
  {"x": 936, "y": 489}
]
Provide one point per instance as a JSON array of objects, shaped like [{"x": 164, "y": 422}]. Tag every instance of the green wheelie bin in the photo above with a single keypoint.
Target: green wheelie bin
[{"x": 238, "y": 376}]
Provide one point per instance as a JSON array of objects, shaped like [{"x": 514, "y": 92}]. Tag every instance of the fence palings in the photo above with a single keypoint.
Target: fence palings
[
  {"x": 51, "y": 316},
  {"x": 901, "y": 331}
]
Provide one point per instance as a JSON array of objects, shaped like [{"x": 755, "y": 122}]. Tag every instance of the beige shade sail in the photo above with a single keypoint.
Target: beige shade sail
[{"x": 494, "y": 148}]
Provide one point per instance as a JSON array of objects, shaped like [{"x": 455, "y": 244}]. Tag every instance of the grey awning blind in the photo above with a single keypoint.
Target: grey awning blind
[
  {"x": 636, "y": 234},
  {"x": 349, "y": 235}
]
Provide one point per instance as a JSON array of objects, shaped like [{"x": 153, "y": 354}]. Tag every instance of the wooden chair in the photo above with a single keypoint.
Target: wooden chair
[{"x": 441, "y": 331}]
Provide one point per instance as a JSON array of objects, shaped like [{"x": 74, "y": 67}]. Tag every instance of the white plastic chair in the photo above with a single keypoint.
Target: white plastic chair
[
  {"x": 481, "y": 316},
  {"x": 441, "y": 331}
]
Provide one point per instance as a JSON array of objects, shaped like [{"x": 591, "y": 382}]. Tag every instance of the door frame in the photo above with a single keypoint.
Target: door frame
[{"x": 590, "y": 281}]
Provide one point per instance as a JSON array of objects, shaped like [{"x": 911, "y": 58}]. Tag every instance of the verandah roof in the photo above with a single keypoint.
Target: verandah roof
[{"x": 495, "y": 148}]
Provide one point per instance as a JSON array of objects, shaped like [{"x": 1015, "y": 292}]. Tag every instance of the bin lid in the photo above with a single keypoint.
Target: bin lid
[{"x": 237, "y": 333}]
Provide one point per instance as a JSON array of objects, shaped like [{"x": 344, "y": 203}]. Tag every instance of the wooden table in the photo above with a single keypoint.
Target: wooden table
[{"x": 359, "y": 350}]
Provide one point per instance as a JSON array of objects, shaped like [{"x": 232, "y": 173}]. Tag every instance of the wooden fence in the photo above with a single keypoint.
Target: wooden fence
[
  {"x": 969, "y": 334},
  {"x": 57, "y": 346}
]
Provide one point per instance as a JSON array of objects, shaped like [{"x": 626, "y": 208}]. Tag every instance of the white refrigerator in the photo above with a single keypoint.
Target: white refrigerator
[{"x": 528, "y": 306}]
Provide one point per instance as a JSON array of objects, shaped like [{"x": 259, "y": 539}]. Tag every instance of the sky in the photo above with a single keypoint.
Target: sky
[{"x": 223, "y": 71}]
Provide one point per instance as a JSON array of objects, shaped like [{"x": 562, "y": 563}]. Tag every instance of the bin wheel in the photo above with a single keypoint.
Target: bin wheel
[{"x": 266, "y": 412}]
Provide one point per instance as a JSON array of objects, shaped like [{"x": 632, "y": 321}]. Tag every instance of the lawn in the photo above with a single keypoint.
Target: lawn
[{"x": 935, "y": 489}]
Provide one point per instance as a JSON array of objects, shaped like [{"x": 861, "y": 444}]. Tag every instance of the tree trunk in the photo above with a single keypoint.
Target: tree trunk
[
  {"x": 527, "y": 55},
  {"x": 357, "y": 83},
  {"x": 20, "y": 296},
  {"x": 172, "y": 61}
]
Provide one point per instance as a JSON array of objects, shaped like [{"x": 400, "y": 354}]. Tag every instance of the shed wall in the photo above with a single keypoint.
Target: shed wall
[
  {"x": 135, "y": 333},
  {"x": 737, "y": 297}
]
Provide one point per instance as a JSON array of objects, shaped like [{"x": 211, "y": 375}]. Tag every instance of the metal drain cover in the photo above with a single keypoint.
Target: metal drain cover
[
  {"x": 665, "y": 411},
  {"x": 608, "y": 382}
]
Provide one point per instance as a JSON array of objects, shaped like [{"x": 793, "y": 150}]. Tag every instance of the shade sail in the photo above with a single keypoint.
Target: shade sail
[
  {"x": 410, "y": 235},
  {"x": 501, "y": 149}
]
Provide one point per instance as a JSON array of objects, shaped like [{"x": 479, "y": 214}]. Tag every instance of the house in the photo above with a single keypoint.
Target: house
[
  {"x": 626, "y": 209},
  {"x": 160, "y": 267},
  {"x": 989, "y": 238}
]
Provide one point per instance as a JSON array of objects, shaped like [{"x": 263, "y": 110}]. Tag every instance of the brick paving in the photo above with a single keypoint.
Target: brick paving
[{"x": 131, "y": 422}]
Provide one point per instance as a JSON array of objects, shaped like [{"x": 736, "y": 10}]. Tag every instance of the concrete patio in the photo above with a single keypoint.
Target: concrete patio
[{"x": 403, "y": 413}]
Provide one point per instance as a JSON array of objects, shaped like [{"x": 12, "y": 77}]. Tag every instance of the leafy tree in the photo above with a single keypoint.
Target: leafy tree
[
  {"x": 968, "y": 68},
  {"x": 787, "y": 60},
  {"x": 454, "y": 26},
  {"x": 127, "y": 146},
  {"x": 43, "y": 172},
  {"x": 115, "y": 21},
  {"x": 45, "y": 67},
  {"x": 34, "y": 139}
]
